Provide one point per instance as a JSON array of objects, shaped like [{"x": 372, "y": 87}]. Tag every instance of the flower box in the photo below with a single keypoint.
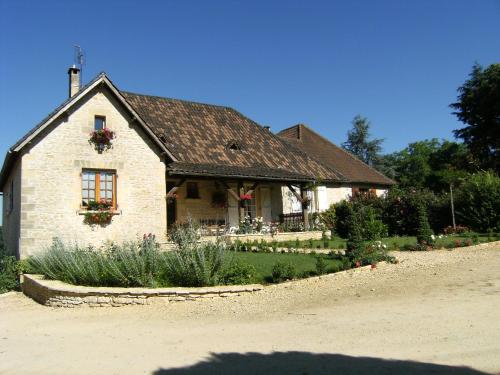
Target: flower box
[{"x": 102, "y": 139}]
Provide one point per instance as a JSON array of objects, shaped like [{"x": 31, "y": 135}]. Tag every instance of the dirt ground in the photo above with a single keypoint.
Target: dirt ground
[{"x": 433, "y": 313}]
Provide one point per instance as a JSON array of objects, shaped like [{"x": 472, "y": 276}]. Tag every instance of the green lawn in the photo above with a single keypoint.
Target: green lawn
[{"x": 304, "y": 264}]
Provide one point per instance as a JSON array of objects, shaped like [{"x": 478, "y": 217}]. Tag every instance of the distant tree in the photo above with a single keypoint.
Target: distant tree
[
  {"x": 478, "y": 107},
  {"x": 359, "y": 143},
  {"x": 431, "y": 164}
]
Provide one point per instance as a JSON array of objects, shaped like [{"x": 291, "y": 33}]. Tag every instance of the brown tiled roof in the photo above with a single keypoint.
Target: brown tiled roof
[
  {"x": 199, "y": 135},
  {"x": 333, "y": 156}
]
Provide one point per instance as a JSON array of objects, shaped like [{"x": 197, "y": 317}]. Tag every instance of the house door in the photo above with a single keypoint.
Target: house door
[{"x": 171, "y": 206}]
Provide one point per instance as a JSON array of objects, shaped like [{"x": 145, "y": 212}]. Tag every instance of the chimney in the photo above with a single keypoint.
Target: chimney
[
  {"x": 267, "y": 127},
  {"x": 74, "y": 80}
]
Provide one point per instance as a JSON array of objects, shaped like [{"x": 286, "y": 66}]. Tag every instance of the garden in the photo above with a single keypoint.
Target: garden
[{"x": 364, "y": 229}]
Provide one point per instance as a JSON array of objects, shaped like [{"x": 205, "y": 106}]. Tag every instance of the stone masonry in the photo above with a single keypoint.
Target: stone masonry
[
  {"x": 58, "y": 294},
  {"x": 51, "y": 179}
]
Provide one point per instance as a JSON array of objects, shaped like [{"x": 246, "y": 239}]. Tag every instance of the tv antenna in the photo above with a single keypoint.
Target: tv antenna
[{"x": 79, "y": 60}]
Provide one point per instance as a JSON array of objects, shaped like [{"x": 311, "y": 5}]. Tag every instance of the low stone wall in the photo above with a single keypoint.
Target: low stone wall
[{"x": 58, "y": 294}]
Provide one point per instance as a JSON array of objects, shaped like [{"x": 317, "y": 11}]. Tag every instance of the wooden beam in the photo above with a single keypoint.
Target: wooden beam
[
  {"x": 297, "y": 195},
  {"x": 172, "y": 191},
  {"x": 230, "y": 190},
  {"x": 252, "y": 188},
  {"x": 305, "y": 207},
  {"x": 241, "y": 210}
]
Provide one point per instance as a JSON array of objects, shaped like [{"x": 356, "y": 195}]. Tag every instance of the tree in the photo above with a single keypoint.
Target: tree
[
  {"x": 478, "y": 107},
  {"x": 430, "y": 164},
  {"x": 359, "y": 144},
  {"x": 478, "y": 202}
]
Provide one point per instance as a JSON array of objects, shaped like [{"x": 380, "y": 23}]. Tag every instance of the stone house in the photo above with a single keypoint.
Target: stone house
[{"x": 169, "y": 159}]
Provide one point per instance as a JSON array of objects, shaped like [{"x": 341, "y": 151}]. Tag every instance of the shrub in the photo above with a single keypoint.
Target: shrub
[
  {"x": 201, "y": 265},
  {"x": 239, "y": 273},
  {"x": 282, "y": 271},
  {"x": 424, "y": 231},
  {"x": 368, "y": 218},
  {"x": 478, "y": 202},
  {"x": 372, "y": 228},
  {"x": 459, "y": 229},
  {"x": 328, "y": 217},
  {"x": 8, "y": 273},
  {"x": 130, "y": 264},
  {"x": 185, "y": 235},
  {"x": 320, "y": 265}
]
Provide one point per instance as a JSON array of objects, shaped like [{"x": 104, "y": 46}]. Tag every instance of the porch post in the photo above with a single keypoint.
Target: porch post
[
  {"x": 241, "y": 203},
  {"x": 305, "y": 207}
]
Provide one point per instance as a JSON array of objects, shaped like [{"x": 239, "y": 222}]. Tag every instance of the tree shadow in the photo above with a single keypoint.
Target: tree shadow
[{"x": 304, "y": 363}]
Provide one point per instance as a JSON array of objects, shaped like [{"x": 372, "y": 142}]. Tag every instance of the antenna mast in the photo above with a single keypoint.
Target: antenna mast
[{"x": 79, "y": 60}]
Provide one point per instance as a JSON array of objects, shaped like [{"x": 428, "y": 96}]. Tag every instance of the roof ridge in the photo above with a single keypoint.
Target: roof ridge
[{"x": 175, "y": 99}]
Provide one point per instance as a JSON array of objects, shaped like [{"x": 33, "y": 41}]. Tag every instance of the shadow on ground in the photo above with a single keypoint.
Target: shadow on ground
[{"x": 303, "y": 363}]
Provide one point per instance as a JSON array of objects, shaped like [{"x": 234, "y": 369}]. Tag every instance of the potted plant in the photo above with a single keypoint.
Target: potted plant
[
  {"x": 102, "y": 139},
  {"x": 245, "y": 197}
]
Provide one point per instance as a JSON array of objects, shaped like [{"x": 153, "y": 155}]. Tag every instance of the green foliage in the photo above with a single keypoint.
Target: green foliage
[
  {"x": 239, "y": 273},
  {"x": 320, "y": 265},
  {"x": 368, "y": 211},
  {"x": 373, "y": 228},
  {"x": 478, "y": 202},
  {"x": 10, "y": 268},
  {"x": 8, "y": 273},
  {"x": 424, "y": 231},
  {"x": 282, "y": 271},
  {"x": 401, "y": 215},
  {"x": 132, "y": 264},
  {"x": 202, "y": 265},
  {"x": 478, "y": 107},
  {"x": 430, "y": 164},
  {"x": 359, "y": 144},
  {"x": 328, "y": 217},
  {"x": 185, "y": 235}
]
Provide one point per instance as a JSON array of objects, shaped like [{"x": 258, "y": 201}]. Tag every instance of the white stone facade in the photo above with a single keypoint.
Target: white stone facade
[
  {"x": 48, "y": 189},
  {"x": 322, "y": 197}
]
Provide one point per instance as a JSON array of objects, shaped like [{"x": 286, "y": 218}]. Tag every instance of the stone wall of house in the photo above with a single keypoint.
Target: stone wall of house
[
  {"x": 337, "y": 194},
  {"x": 199, "y": 209},
  {"x": 11, "y": 218},
  {"x": 51, "y": 179}
]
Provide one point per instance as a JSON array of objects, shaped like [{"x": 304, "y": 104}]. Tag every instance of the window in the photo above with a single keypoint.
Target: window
[
  {"x": 11, "y": 196},
  {"x": 233, "y": 145},
  {"x": 97, "y": 186},
  {"x": 192, "y": 190},
  {"x": 99, "y": 122}
]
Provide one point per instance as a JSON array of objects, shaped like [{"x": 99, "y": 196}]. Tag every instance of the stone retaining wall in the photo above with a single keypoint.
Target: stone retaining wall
[
  {"x": 58, "y": 294},
  {"x": 279, "y": 237}
]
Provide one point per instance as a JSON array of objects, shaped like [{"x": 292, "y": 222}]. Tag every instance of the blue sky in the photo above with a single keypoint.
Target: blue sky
[{"x": 398, "y": 63}]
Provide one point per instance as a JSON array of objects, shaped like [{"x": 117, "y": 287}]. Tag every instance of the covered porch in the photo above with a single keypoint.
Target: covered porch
[{"x": 236, "y": 206}]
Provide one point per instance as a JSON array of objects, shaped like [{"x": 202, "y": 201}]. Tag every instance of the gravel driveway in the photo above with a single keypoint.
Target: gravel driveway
[{"x": 433, "y": 313}]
